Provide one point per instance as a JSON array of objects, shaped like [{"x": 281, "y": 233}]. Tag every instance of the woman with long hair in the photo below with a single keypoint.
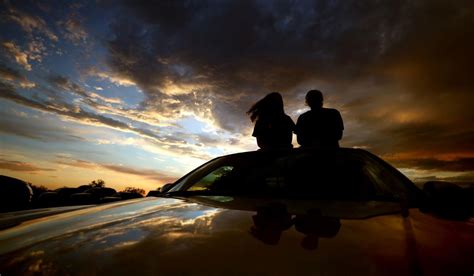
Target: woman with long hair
[{"x": 273, "y": 128}]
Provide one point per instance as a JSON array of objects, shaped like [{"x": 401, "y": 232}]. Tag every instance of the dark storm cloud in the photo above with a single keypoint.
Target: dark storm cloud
[
  {"x": 395, "y": 137},
  {"x": 244, "y": 49},
  {"x": 242, "y": 37},
  {"x": 252, "y": 43}
]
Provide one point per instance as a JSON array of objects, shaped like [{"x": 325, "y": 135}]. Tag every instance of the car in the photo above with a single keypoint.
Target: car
[
  {"x": 14, "y": 194},
  {"x": 270, "y": 212}
]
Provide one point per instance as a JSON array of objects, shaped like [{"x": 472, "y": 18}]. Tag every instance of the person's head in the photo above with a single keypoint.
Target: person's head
[
  {"x": 314, "y": 98},
  {"x": 270, "y": 105}
]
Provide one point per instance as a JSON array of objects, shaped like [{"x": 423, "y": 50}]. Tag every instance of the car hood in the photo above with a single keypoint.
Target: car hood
[{"x": 194, "y": 236}]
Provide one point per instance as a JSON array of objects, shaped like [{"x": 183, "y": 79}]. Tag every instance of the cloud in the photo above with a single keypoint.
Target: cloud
[
  {"x": 111, "y": 77},
  {"x": 461, "y": 178},
  {"x": 88, "y": 97},
  {"x": 73, "y": 29},
  {"x": 247, "y": 43},
  {"x": 467, "y": 178},
  {"x": 23, "y": 125},
  {"x": 430, "y": 137},
  {"x": 64, "y": 83},
  {"x": 105, "y": 99},
  {"x": 12, "y": 75},
  {"x": 146, "y": 173},
  {"x": 456, "y": 165},
  {"x": 151, "y": 174},
  {"x": 29, "y": 23},
  {"x": 21, "y": 166},
  {"x": 173, "y": 144},
  {"x": 17, "y": 54},
  {"x": 61, "y": 108},
  {"x": 75, "y": 163},
  {"x": 36, "y": 50}
]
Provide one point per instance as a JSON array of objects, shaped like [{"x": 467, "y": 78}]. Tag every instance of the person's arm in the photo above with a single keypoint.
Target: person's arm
[
  {"x": 256, "y": 129},
  {"x": 291, "y": 128},
  {"x": 262, "y": 142},
  {"x": 299, "y": 131},
  {"x": 260, "y": 133}
]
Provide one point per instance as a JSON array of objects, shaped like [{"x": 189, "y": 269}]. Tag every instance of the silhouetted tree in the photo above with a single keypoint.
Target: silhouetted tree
[
  {"x": 37, "y": 190},
  {"x": 99, "y": 183},
  {"x": 134, "y": 190}
]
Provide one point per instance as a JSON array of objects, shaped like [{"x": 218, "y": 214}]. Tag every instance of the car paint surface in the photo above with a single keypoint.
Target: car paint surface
[{"x": 182, "y": 236}]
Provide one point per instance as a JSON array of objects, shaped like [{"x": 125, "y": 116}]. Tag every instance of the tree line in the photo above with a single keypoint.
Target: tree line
[{"x": 16, "y": 194}]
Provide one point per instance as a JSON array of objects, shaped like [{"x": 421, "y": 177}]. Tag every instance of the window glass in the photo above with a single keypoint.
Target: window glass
[
  {"x": 387, "y": 184},
  {"x": 211, "y": 179}
]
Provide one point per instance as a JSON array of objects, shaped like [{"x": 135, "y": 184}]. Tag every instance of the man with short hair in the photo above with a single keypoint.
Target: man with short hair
[{"x": 320, "y": 127}]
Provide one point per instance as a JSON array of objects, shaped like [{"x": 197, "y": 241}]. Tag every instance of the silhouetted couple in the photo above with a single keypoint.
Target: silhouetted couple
[{"x": 319, "y": 128}]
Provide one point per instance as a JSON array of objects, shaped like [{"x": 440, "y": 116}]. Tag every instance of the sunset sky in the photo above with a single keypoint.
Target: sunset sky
[{"x": 138, "y": 93}]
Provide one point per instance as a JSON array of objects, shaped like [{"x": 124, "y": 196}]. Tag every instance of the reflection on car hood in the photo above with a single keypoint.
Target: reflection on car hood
[{"x": 177, "y": 236}]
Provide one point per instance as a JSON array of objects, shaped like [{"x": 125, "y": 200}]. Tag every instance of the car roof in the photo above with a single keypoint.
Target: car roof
[{"x": 295, "y": 151}]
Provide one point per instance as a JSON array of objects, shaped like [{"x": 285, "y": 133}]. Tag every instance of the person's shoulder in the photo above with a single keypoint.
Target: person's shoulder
[
  {"x": 306, "y": 114},
  {"x": 304, "y": 117},
  {"x": 331, "y": 110}
]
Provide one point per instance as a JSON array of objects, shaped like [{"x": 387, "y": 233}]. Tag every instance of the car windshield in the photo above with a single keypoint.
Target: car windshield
[{"x": 341, "y": 175}]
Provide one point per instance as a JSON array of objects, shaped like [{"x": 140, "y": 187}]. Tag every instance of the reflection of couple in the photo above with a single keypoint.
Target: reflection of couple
[
  {"x": 273, "y": 219},
  {"x": 320, "y": 127}
]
